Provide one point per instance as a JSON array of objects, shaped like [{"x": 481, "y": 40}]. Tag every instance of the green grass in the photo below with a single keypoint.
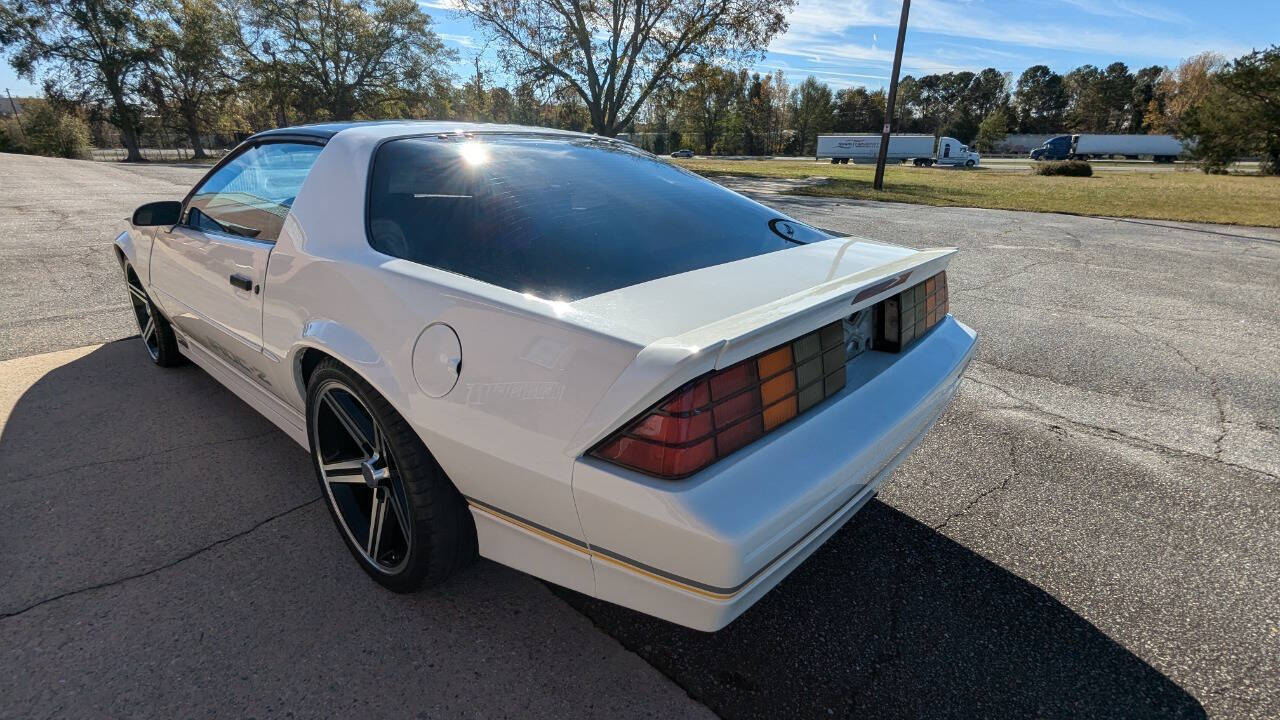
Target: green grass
[{"x": 1189, "y": 196}]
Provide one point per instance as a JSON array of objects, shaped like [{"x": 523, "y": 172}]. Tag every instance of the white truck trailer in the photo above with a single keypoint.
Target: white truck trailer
[
  {"x": 1160, "y": 148},
  {"x": 919, "y": 149}
]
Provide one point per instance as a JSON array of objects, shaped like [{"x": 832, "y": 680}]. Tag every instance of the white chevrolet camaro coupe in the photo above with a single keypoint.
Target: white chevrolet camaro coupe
[{"x": 550, "y": 349}]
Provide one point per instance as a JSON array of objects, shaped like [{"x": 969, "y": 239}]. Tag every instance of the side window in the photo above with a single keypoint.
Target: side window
[
  {"x": 200, "y": 221},
  {"x": 251, "y": 195}
]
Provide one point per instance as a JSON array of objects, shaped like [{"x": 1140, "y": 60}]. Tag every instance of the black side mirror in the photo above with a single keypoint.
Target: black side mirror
[{"x": 164, "y": 212}]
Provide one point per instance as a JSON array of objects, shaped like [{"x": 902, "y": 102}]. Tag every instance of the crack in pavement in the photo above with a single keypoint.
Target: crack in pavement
[
  {"x": 1079, "y": 388},
  {"x": 83, "y": 312},
  {"x": 1002, "y": 278},
  {"x": 1078, "y": 310},
  {"x": 1000, "y": 486},
  {"x": 1107, "y": 433},
  {"x": 893, "y": 650},
  {"x": 165, "y": 566},
  {"x": 1215, "y": 390},
  {"x": 145, "y": 456},
  {"x": 1183, "y": 228}
]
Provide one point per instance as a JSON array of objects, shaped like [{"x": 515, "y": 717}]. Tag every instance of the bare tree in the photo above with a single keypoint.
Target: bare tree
[{"x": 615, "y": 54}]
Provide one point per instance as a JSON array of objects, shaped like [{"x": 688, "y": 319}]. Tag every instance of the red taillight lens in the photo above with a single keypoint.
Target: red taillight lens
[
  {"x": 656, "y": 458},
  {"x": 722, "y": 411},
  {"x": 725, "y": 410}
]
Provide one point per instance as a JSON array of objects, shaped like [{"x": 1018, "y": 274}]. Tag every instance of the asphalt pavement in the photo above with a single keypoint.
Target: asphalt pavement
[
  {"x": 1093, "y": 529},
  {"x": 56, "y": 219},
  {"x": 165, "y": 554}
]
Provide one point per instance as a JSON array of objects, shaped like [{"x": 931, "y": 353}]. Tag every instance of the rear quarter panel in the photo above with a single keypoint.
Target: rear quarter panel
[{"x": 528, "y": 379}]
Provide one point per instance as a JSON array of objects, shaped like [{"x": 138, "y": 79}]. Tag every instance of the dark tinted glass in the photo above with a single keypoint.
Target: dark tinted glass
[{"x": 560, "y": 218}]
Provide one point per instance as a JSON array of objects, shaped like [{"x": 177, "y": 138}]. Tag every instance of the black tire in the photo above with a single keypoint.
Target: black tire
[
  {"x": 969, "y": 163},
  {"x": 441, "y": 539},
  {"x": 154, "y": 329}
]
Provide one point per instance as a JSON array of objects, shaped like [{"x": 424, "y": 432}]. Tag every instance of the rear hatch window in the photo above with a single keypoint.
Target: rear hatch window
[{"x": 560, "y": 218}]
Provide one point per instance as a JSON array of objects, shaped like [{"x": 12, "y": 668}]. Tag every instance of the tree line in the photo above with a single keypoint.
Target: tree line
[
  {"x": 1229, "y": 107},
  {"x": 243, "y": 65},
  {"x": 671, "y": 71}
]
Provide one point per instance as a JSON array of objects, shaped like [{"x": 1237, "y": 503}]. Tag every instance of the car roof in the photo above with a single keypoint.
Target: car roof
[{"x": 390, "y": 128}]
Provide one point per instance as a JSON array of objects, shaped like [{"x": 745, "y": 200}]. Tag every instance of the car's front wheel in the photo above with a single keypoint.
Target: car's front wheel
[
  {"x": 400, "y": 516},
  {"x": 157, "y": 334}
]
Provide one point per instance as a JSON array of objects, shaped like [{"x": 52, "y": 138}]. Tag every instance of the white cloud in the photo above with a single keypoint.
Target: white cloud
[
  {"x": 836, "y": 76},
  {"x": 1123, "y": 9},
  {"x": 440, "y": 4},
  {"x": 465, "y": 41},
  {"x": 823, "y": 29}
]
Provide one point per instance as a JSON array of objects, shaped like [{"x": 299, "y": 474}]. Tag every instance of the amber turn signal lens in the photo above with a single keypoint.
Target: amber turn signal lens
[
  {"x": 774, "y": 361},
  {"x": 779, "y": 413}
]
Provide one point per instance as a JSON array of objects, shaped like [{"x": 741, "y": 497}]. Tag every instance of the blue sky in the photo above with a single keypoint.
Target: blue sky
[{"x": 850, "y": 42}]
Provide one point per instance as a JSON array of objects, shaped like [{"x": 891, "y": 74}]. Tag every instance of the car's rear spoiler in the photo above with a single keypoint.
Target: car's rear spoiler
[{"x": 665, "y": 364}]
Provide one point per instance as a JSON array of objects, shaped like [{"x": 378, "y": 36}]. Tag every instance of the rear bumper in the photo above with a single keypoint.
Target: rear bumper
[{"x": 701, "y": 551}]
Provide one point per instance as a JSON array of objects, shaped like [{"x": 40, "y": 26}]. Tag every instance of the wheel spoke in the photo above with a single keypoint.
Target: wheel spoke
[
  {"x": 149, "y": 331},
  {"x": 138, "y": 294},
  {"x": 358, "y": 457},
  {"x": 377, "y": 517},
  {"x": 343, "y": 471},
  {"x": 350, "y": 425},
  {"x": 402, "y": 517}
]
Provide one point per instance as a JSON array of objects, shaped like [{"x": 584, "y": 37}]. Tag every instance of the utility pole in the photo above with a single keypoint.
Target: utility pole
[
  {"x": 893, "y": 95},
  {"x": 22, "y": 132},
  {"x": 275, "y": 72},
  {"x": 478, "y": 110}
]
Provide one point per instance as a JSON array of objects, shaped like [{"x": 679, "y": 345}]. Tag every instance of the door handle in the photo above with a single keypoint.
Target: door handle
[{"x": 241, "y": 282}]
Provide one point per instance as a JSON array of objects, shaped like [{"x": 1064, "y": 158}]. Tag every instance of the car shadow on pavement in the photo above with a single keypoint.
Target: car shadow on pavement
[
  {"x": 164, "y": 552},
  {"x": 112, "y": 470},
  {"x": 890, "y": 618},
  {"x": 134, "y": 465}
]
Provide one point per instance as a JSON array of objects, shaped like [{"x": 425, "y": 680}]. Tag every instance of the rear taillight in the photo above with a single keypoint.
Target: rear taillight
[
  {"x": 724, "y": 410},
  {"x": 709, "y": 418},
  {"x": 911, "y": 313}
]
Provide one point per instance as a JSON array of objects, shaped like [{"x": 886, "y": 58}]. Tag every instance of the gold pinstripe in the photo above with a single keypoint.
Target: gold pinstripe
[{"x": 596, "y": 555}]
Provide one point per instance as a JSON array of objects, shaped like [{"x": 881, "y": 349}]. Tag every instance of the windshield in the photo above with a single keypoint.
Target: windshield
[{"x": 561, "y": 218}]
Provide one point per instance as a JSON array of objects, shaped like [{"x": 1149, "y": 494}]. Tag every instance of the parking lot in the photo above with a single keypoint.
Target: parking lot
[{"x": 1092, "y": 530}]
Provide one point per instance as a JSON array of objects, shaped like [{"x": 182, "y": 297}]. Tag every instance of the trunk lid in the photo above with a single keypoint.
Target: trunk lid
[{"x": 691, "y": 323}]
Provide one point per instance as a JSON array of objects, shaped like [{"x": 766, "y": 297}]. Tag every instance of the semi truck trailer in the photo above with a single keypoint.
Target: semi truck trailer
[
  {"x": 919, "y": 149},
  {"x": 1160, "y": 148}
]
